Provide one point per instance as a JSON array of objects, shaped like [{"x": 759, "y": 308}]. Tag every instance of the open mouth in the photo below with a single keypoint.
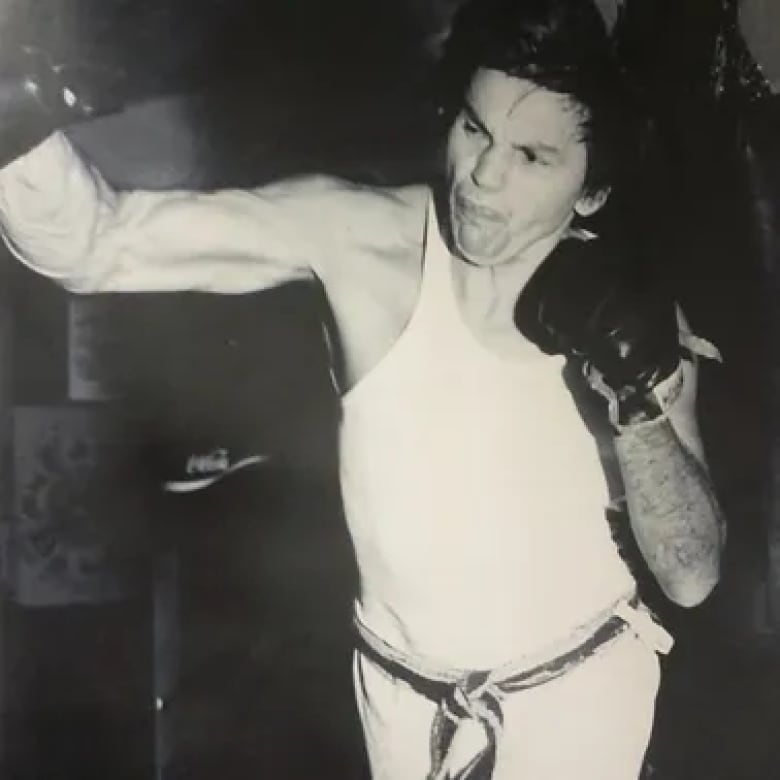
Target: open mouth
[{"x": 475, "y": 211}]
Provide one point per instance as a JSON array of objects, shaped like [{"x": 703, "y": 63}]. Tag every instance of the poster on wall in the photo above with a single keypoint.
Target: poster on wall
[
  {"x": 73, "y": 513},
  {"x": 92, "y": 349}
]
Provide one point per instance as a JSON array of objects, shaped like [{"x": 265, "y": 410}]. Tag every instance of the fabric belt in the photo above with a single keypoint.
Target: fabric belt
[{"x": 474, "y": 696}]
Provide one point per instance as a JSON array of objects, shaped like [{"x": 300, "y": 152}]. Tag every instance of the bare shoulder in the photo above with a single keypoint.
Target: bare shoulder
[
  {"x": 369, "y": 214},
  {"x": 346, "y": 217},
  {"x": 352, "y": 202}
]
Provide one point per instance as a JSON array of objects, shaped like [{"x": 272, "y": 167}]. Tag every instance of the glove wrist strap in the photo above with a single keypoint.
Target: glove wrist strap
[
  {"x": 651, "y": 407},
  {"x": 629, "y": 409}
]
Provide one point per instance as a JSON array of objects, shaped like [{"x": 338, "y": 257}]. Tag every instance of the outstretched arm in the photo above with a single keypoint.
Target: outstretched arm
[{"x": 61, "y": 218}]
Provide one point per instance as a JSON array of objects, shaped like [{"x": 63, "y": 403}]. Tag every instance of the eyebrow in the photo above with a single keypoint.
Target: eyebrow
[{"x": 541, "y": 147}]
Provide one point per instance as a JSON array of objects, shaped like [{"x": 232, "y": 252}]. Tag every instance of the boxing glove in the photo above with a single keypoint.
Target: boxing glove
[
  {"x": 618, "y": 324},
  {"x": 38, "y": 96}
]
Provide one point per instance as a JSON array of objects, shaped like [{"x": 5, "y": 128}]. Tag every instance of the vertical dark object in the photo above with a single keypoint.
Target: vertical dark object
[
  {"x": 702, "y": 87},
  {"x": 690, "y": 65},
  {"x": 741, "y": 86}
]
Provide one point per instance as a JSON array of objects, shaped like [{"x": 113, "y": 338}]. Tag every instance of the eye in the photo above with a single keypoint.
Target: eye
[
  {"x": 529, "y": 154},
  {"x": 470, "y": 127}
]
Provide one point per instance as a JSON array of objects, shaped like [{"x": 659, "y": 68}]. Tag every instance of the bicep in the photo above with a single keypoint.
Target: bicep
[{"x": 230, "y": 241}]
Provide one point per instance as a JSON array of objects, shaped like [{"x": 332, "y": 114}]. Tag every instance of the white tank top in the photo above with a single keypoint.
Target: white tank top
[{"x": 473, "y": 492}]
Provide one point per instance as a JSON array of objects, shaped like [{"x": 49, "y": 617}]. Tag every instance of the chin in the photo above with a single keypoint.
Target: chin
[
  {"x": 481, "y": 260},
  {"x": 488, "y": 254}
]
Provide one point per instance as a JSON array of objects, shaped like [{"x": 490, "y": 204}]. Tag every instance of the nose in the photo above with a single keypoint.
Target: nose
[{"x": 489, "y": 170}]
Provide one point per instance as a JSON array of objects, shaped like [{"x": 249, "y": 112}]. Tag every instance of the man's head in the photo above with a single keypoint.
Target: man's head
[{"x": 530, "y": 94}]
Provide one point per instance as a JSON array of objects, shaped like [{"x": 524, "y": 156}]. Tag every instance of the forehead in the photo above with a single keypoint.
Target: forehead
[{"x": 522, "y": 106}]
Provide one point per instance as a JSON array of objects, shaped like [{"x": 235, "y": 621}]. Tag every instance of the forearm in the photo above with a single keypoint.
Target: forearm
[
  {"x": 53, "y": 209},
  {"x": 673, "y": 511}
]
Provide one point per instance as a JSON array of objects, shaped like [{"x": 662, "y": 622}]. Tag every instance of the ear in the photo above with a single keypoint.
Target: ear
[{"x": 588, "y": 205}]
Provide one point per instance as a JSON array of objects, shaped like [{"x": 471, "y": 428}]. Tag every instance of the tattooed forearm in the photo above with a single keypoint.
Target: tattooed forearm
[{"x": 674, "y": 513}]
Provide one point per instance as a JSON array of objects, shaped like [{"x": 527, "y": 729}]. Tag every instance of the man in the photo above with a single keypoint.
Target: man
[{"x": 492, "y": 599}]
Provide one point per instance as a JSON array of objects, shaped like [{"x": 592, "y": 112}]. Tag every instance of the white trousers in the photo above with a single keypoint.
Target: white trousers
[{"x": 592, "y": 723}]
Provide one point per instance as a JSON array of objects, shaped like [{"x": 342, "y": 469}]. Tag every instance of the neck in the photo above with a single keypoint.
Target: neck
[{"x": 498, "y": 286}]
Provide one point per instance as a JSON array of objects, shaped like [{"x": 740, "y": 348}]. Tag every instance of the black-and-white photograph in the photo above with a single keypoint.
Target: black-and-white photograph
[{"x": 389, "y": 390}]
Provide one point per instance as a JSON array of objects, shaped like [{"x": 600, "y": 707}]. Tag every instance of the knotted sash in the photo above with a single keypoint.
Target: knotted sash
[{"x": 475, "y": 696}]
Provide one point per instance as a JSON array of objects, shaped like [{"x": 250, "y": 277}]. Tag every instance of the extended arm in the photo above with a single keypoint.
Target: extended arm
[{"x": 60, "y": 217}]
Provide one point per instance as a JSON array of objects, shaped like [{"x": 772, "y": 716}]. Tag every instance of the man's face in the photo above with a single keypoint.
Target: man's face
[{"x": 515, "y": 168}]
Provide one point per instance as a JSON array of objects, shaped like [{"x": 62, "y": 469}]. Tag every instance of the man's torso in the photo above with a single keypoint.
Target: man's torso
[{"x": 473, "y": 492}]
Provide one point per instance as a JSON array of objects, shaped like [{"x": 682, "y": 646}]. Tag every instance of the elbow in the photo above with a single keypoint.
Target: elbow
[
  {"x": 692, "y": 591},
  {"x": 692, "y": 573}
]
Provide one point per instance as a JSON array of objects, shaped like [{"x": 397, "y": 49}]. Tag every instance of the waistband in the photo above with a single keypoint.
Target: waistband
[{"x": 475, "y": 695}]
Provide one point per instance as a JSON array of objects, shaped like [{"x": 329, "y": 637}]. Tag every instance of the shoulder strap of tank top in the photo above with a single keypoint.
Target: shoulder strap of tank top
[{"x": 436, "y": 291}]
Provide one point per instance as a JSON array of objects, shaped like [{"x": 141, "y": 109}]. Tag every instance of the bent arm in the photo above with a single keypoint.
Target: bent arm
[
  {"x": 673, "y": 510},
  {"x": 61, "y": 218}
]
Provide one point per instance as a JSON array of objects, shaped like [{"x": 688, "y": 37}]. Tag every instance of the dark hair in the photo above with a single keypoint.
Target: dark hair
[{"x": 561, "y": 45}]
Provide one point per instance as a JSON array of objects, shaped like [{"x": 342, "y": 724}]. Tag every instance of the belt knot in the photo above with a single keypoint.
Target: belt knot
[{"x": 476, "y": 698}]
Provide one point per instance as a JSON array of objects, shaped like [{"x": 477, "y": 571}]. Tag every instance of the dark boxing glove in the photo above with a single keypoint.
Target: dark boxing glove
[
  {"x": 619, "y": 326},
  {"x": 39, "y": 95}
]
